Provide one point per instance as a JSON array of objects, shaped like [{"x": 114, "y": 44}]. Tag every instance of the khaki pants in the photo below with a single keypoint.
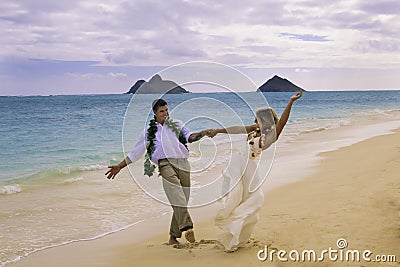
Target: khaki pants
[{"x": 176, "y": 183}]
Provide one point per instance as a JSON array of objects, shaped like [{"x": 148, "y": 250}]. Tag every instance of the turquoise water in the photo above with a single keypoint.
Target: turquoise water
[
  {"x": 42, "y": 134},
  {"x": 45, "y": 138},
  {"x": 48, "y": 133},
  {"x": 54, "y": 152}
]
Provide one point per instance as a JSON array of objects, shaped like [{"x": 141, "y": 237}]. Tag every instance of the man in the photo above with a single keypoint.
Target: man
[{"x": 165, "y": 143}]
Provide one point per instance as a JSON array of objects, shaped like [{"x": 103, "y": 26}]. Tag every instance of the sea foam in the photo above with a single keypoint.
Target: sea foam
[
  {"x": 72, "y": 180},
  {"x": 10, "y": 189}
]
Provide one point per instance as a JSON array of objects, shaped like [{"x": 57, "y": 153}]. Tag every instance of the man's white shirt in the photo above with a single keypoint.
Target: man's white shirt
[{"x": 166, "y": 143}]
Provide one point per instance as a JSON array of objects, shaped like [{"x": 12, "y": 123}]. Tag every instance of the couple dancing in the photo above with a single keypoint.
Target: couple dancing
[{"x": 164, "y": 143}]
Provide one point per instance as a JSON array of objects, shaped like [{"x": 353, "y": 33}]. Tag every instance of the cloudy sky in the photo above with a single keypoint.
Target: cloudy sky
[{"x": 98, "y": 46}]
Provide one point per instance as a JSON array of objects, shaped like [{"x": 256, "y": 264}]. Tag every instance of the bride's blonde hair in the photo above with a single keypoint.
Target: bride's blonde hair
[{"x": 266, "y": 118}]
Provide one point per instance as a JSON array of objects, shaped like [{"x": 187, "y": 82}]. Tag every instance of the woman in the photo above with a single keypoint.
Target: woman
[{"x": 240, "y": 206}]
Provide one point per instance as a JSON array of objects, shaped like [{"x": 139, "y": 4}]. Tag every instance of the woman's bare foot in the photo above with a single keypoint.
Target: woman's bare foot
[
  {"x": 173, "y": 241},
  {"x": 189, "y": 235}
]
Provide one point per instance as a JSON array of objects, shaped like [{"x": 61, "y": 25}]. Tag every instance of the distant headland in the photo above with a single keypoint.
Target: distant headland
[{"x": 156, "y": 85}]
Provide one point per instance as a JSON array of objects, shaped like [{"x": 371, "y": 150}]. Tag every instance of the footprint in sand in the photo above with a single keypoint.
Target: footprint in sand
[{"x": 216, "y": 243}]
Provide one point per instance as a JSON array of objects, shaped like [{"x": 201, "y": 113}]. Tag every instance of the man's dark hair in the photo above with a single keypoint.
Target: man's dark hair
[{"x": 158, "y": 103}]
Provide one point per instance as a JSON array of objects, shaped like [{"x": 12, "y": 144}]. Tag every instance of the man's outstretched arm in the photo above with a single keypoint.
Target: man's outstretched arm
[{"x": 115, "y": 169}]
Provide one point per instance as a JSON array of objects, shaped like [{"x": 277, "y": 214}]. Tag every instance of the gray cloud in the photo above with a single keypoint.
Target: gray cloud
[
  {"x": 145, "y": 32},
  {"x": 377, "y": 46},
  {"x": 35, "y": 13},
  {"x": 380, "y": 7},
  {"x": 264, "y": 49},
  {"x": 125, "y": 56},
  {"x": 268, "y": 13}
]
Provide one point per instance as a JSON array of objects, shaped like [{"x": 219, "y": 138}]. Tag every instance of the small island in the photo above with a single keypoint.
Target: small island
[
  {"x": 156, "y": 85},
  {"x": 278, "y": 84}
]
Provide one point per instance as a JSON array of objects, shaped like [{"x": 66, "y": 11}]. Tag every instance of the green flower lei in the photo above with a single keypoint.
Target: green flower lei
[{"x": 151, "y": 135}]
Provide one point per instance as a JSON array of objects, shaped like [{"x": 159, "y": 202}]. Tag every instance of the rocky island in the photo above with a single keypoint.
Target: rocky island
[
  {"x": 156, "y": 85},
  {"x": 278, "y": 84}
]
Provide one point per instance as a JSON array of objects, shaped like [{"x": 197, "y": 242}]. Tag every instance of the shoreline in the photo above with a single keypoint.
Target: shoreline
[{"x": 124, "y": 246}]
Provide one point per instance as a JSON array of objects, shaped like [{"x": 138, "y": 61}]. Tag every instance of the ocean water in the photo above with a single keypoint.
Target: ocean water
[{"x": 55, "y": 150}]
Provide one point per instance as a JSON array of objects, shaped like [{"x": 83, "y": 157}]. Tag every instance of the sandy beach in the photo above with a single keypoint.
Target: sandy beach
[{"x": 352, "y": 194}]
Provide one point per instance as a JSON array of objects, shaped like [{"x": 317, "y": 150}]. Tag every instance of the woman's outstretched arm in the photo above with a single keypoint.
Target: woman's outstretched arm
[
  {"x": 247, "y": 129},
  {"x": 286, "y": 113},
  {"x": 232, "y": 130}
]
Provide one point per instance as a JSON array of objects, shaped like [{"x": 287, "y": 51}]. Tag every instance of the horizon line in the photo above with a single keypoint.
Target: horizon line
[{"x": 210, "y": 92}]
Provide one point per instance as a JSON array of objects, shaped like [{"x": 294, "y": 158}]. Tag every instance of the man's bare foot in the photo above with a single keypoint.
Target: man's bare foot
[
  {"x": 189, "y": 235},
  {"x": 173, "y": 241}
]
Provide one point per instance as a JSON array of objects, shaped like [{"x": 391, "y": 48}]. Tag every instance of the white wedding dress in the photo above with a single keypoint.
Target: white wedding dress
[{"x": 240, "y": 207}]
